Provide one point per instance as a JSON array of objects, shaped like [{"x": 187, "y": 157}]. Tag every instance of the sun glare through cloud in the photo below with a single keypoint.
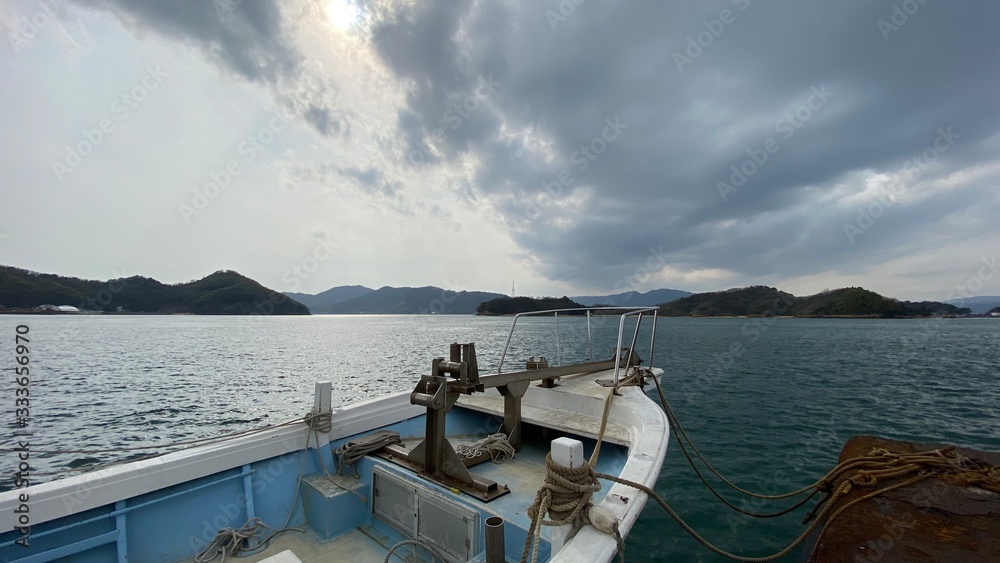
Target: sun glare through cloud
[{"x": 343, "y": 14}]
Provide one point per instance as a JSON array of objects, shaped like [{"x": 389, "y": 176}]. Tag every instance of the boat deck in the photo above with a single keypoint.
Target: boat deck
[
  {"x": 523, "y": 475},
  {"x": 307, "y": 547}
]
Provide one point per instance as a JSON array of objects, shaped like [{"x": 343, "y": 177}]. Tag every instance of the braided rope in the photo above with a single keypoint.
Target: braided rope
[
  {"x": 354, "y": 450},
  {"x": 236, "y": 543},
  {"x": 496, "y": 444},
  {"x": 564, "y": 498}
]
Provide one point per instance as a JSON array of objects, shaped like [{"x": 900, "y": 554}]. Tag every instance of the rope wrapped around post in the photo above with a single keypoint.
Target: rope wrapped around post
[{"x": 565, "y": 498}]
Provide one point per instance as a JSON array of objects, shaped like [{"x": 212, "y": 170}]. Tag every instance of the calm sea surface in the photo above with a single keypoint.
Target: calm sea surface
[{"x": 769, "y": 402}]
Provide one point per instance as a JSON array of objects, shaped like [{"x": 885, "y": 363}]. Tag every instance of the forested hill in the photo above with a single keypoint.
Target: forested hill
[
  {"x": 767, "y": 302},
  {"x": 221, "y": 293},
  {"x": 411, "y": 301},
  {"x": 514, "y": 305}
]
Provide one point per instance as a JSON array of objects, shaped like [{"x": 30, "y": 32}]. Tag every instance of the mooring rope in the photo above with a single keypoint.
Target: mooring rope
[
  {"x": 566, "y": 492},
  {"x": 319, "y": 421},
  {"x": 564, "y": 498},
  {"x": 879, "y": 466},
  {"x": 675, "y": 423}
]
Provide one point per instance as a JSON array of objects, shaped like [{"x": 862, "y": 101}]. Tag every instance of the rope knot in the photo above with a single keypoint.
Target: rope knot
[
  {"x": 318, "y": 421},
  {"x": 864, "y": 479},
  {"x": 565, "y": 498}
]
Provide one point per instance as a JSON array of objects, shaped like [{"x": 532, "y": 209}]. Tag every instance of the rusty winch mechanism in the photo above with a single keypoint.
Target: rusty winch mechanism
[{"x": 434, "y": 457}]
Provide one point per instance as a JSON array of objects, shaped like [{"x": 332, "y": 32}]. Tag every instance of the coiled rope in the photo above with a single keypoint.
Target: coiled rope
[
  {"x": 236, "y": 543},
  {"x": 564, "y": 498},
  {"x": 496, "y": 444},
  {"x": 354, "y": 450},
  {"x": 565, "y": 494}
]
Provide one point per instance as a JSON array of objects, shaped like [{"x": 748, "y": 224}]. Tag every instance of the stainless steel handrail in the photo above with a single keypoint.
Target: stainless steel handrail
[{"x": 628, "y": 312}]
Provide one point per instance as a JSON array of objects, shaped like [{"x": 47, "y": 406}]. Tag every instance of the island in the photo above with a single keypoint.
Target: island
[
  {"x": 515, "y": 305},
  {"x": 764, "y": 301},
  {"x": 222, "y": 293}
]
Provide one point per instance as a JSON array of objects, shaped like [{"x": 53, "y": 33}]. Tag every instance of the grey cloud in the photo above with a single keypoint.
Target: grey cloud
[
  {"x": 657, "y": 183},
  {"x": 250, "y": 39}
]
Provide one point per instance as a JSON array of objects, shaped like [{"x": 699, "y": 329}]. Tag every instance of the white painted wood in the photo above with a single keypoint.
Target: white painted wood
[
  {"x": 322, "y": 398},
  {"x": 284, "y": 557},
  {"x": 567, "y": 452}
]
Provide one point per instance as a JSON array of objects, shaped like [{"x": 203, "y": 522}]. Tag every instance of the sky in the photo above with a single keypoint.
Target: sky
[{"x": 566, "y": 147}]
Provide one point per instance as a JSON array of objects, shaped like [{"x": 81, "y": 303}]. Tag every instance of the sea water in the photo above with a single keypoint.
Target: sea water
[{"x": 768, "y": 401}]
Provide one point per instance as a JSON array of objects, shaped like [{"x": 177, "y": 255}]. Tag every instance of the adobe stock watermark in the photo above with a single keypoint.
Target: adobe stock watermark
[
  {"x": 900, "y": 16},
  {"x": 656, "y": 261},
  {"x": 975, "y": 282},
  {"x": 914, "y": 167},
  {"x": 927, "y": 328},
  {"x": 234, "y": 513},
  {"x": 458, "y": 111},
  {"x": 695, "y": 45},
  {"x": 106, "y": 295},
  {"x": 751, "y": 331},
  {"x": 121, "y": 108},
  {"x": 440, "y": 304},
  {"x": 295, "y": 276},
  {"x": 566, "y": 8},
  {"x": 299, "y": 273},
  {"x": 225, "y": 7},
  {"x": 793, "y": 119},
  {"x": 221, "y": 179},
  {"x": 26, "y": 28},
  {"x": 581, "y": 159}
]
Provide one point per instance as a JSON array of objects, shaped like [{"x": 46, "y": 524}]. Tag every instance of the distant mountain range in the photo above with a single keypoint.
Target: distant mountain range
[
  {"x": 221, "y": 293},
  {"x": 633, "y": 298},
  {"x": 229, "y": 293},
  {"x": 330, "y": 296},
  {"x": 411, "y": 301},
  {"x": 358, "y": 299},
  {"x": 979, "y": 305}
]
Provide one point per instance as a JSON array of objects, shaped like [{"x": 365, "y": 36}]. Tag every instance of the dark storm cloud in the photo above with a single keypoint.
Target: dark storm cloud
[
  {"x": 826, "y": 90},
  {"x": 247, "y": 38}
]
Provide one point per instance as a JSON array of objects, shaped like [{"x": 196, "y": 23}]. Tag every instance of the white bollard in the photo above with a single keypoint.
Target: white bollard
[
  {"x": 566, "y": 452},
  {"x": 322, "y": 403}
]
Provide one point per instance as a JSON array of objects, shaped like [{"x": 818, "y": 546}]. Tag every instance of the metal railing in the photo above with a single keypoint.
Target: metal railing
[{"x": 626, "y": 312}]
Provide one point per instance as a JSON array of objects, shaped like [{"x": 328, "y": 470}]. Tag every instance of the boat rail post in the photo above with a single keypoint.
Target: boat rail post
[
  {"x": 590, "y": 339},
  {"x": 558, "y": 350},
  {"x": 652, "y": 339},
  {"x": 322, "y": 403},
  {"x": 566, "y": 452}
]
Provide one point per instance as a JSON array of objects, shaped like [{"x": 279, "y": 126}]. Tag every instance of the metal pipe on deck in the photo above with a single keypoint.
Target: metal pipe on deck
[{"x": 495, "y": 552}]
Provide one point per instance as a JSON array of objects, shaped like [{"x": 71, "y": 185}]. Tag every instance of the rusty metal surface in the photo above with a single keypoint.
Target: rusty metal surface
[{"x": 933, "y": 520}]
